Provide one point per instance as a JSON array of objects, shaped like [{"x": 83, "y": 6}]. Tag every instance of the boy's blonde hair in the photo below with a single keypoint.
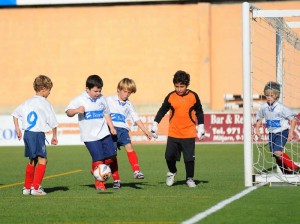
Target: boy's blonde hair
[
  {"x": 41, "y": 82},
  {"x": 272, "y": 87},
  {"x": 127, "y": 84}
]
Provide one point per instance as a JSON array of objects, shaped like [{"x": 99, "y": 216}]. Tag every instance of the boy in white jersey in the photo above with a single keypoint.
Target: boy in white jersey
[
  {"x": 122, "y": 110},
  {"x": 96, "y": 127},
  {"x": 280, "y": 122},
  {"x": 37, "y": 117}
]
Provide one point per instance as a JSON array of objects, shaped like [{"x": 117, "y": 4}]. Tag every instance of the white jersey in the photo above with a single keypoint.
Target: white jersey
[
  {"x": 92, "y": 123},
  {"x": 121, "y": 112},
  {"x": 36, "y": 115},
  {"x": 277, "y": 116}
]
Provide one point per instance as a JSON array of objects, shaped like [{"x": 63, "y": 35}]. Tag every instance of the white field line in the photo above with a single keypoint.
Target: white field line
[{"x": 221, "y": 205}]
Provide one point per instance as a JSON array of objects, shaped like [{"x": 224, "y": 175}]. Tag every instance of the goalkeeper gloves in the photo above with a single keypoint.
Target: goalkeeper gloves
[
  {"x": 154, "y": 129},
  {"x": 200, "y": 131}
]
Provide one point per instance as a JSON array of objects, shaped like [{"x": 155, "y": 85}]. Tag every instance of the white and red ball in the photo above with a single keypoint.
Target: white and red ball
[{"x": 102, "y": 172}]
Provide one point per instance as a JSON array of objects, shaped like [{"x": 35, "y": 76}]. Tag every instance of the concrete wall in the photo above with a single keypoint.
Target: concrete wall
[{"x": 148, "y": 43}]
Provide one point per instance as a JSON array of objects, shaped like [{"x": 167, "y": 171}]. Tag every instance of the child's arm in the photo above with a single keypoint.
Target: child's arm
[
  {"x": 18, "y": 131},
  {"x": 142, "y": 127},
  {"x": 72, "y": 112},
  {"x": 110, "y": 124},
  {"x": 292, "y": 128},
  {"x": 258, "y": 125},
  {"x": 54, "y": 140}
]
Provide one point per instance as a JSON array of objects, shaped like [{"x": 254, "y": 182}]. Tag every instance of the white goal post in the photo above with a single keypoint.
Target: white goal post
[{"x": 283, "y": 32}]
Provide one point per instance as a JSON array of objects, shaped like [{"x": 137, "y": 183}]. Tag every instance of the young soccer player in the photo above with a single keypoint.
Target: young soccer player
[
  {"x": 280, "y": 122},
  {"x": 185, "y": 123},
  {"x": 96, "y": 128},
  {"x": 122, "y": 110},
  {"x": 37, "y": 117}
]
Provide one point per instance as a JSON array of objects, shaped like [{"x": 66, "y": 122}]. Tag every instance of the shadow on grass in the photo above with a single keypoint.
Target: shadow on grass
[
  {"x": 53, "y": 189},
  {"x": 135, "y": 185},
  {"x": 183, "y": 182}
]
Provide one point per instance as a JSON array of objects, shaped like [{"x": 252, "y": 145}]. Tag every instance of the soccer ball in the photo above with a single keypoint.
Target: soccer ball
[{"x": 102, "y": 172}]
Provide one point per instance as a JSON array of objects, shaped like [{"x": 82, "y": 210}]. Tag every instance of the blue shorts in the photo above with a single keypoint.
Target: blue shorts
[
  {"x": 122, "y": 138},
  {"x": 101, "y": 149},
  {"x": 278, "y": 140},
  {"x": 35, "y": 144}
]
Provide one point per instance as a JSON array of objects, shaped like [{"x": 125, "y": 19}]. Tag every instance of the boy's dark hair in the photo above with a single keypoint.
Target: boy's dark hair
[
  {"x": 94, "y": 80},
  {"x": 181, "y": 77}
]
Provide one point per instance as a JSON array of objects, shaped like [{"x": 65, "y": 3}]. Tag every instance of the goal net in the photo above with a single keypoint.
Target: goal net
[{"x": 271, "y": 52}]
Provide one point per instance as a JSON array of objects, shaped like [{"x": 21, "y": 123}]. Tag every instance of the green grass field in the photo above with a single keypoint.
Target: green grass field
[{"x": 72, "y": 198}]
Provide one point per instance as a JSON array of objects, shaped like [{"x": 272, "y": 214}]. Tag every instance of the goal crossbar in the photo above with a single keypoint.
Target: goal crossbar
[{"x": 257, "y": 13}]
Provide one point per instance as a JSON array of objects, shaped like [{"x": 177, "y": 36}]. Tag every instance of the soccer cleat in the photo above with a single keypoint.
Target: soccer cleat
[
  {"x": 138, "y": 175},
  {"x": 39, "y": 192},
  {"x": 190, "y": 182},
  {"x": 26, "y": 191},
  {"x": 170, "y": 179},
  {"x": 117, "y": 184},
  {"x": 297, "y": 171},
  {"x": 100, "y": 185}
]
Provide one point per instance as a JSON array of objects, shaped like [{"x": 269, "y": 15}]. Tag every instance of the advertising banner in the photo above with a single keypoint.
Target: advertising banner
[{"x": 219, "y": 127}]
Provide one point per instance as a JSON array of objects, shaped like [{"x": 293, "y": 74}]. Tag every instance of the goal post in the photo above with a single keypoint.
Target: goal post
[
  {"x": 247, "y": 96},
  {"x": 262, "y": 64}
]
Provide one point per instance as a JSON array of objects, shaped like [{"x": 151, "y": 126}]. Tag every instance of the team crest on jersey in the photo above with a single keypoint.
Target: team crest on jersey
[
  {"x": 277, "y": 115},
  {"x": 126, "y": 112},
  {"x": 101, "y": 106}
]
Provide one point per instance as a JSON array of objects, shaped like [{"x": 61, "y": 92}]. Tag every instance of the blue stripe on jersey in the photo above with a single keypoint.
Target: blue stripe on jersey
[
  {"x": 117, "y": 117},
  {"x": 96, "y": 114},
  {"x": 273, "y": 123}
]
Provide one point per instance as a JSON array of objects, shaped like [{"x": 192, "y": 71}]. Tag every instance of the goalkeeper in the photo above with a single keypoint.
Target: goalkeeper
[
  {"x": 185, "y": 113},
  {"x": 280, "y": 122}
]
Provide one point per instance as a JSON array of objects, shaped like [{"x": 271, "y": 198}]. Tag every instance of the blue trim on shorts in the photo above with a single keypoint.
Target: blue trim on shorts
[
  {"x": 122, "y": 138},
  {"x": 35, "y": 144},
  {"x": 278, "y": 140},
  {"x": 101, "y": 149}
]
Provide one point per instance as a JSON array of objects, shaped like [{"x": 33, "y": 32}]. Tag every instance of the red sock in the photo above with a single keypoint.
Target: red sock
[
  {"x": 94, "y": 164},
  {"x": 98, "y": 184},
  {"x": 114, "y": 169},
  {"x": 133, "y": 159},
  {"x": 39, "y": 175},
  {"x": 288, "y": 162},
  {"x": 29, "y": 175},
  {"x": 108, "y": 161}
]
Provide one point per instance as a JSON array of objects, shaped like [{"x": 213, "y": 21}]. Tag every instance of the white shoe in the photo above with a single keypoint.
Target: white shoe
[
  {"x": 170, "y": 178},
  {"x": 138, "y": 175},
  {"x": 39, "y": 192},
  {"x": 190, "y": 182},
  {"x": 25, "y": 191},
  {"x": 117, "y": 184}
]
